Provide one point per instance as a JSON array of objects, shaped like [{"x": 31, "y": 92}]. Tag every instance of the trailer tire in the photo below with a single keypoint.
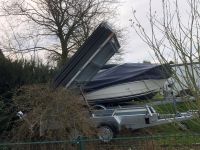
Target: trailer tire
[{"x": 106, "y": 133}]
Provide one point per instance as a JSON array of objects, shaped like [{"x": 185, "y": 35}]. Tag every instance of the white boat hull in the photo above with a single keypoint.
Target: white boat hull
[{"x": 125, "y": 91}]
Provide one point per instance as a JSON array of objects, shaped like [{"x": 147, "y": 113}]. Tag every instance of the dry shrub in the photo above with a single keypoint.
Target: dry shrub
[{"x": 50, "y": 114}]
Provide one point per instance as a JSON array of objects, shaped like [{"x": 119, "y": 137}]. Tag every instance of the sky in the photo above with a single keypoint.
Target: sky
[{"x": 135, "y": 50}]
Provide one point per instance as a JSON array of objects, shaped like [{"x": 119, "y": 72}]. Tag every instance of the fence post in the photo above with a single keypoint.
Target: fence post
[{"x": 80, "y": 142}]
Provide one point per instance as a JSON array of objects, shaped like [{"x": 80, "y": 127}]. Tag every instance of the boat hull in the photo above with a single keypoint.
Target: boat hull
[{"x": 144, "y": 89}]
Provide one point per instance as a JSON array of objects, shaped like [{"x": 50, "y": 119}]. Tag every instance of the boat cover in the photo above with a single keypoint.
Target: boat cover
[{"x": 127, "y": 72}]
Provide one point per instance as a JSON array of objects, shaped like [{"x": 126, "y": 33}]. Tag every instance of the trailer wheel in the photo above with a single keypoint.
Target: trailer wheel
[{"x": 105, "y": 133}]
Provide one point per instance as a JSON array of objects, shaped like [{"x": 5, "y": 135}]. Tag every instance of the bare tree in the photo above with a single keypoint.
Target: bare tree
[
  {"x": 174, "y": 37},
  {"x": 66, "y": 23}
]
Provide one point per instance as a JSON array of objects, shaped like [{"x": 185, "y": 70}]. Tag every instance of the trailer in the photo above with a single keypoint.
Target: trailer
[{"x": 110, "y": 121}]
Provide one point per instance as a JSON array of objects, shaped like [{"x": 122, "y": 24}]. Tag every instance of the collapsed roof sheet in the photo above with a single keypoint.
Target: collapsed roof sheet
[{"x": 89, "y": 58}]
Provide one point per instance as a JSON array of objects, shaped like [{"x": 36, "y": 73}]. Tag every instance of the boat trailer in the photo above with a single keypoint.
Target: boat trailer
[{"x": 110, "y": 121}]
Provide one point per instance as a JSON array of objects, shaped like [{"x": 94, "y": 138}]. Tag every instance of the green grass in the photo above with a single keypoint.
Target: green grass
[
  {"x": 193, "y": 126},
  {"x": 180, "y": 107}
]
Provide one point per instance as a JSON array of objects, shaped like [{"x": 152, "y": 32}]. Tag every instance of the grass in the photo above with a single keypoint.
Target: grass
[
  {"x": 171, "y": 108},
  {"x": 193, "y": 126}
]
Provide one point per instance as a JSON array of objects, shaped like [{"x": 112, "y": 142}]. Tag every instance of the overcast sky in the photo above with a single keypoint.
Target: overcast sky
[{"x": 135, "y": 49}]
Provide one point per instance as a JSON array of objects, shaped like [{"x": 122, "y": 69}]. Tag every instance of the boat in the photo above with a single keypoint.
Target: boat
[{"x": 126, "y": 82}]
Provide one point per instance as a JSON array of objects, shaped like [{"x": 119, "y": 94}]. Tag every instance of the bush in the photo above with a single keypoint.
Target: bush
[
  {"x": 14, "y": 74},
  {"x": 50, "y": 114}
]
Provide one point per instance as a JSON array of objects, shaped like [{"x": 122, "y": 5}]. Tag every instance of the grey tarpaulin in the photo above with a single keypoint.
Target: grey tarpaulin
[{"x": 127, "y": 72}]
